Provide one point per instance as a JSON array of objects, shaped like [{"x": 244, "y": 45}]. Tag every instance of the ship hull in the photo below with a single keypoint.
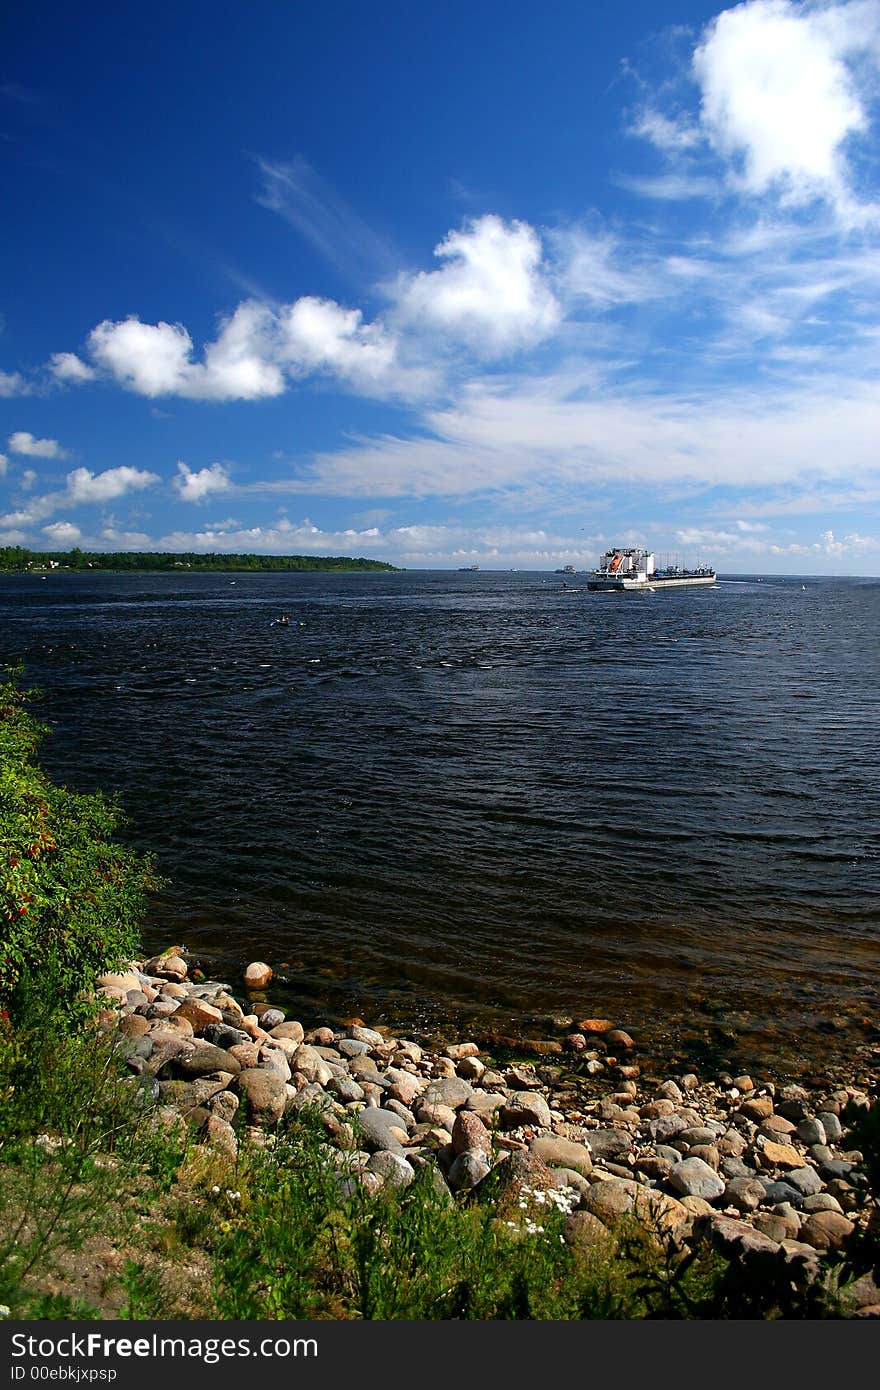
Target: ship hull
[{"x": 625, "y": 585}]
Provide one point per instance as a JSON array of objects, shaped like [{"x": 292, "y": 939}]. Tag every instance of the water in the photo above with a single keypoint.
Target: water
[{"x": 480, "y": 802}]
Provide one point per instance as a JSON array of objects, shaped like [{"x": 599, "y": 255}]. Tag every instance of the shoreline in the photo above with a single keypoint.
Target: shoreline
[{"x": 757, "y": 1167}]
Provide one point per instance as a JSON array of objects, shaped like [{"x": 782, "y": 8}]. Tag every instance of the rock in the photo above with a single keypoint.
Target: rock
[
  {"x": 197, "y": 1012},
  {"x": 610, "y": 1200},
  {"x": 806, "y": 1180},
  {"x": 694, "y": 1178},
  {"x": 779, "y": 1156},
  {"x": 467, "y": 1170},
  {"x": 812, "y": 1131},
  {"x": 781, "y": 1191},
  {"x": 583, "y": 1230},
  {"x": 618, "y": 1039},
  {"x": 525, "y": 1108},
  {"x": 121, "y": 982},
  {"x": 471, "y": 1069},
  {"x": 351, "y": 1047},
  {"x": 167, "y": 967},
  {"x": 831, "y": 1125},
  {"x": 514, "y": 1177},
  {"x": 594, "y": 1025},
  {"x": 392, "y": 1167},
  {"x": 365, "y": 1035},
  {"x": 381, "y": 1129},
  {"x": 257, "y": 975},
  {"x": 746, "y": 1194},
  {"x": 609, "y": 1143},
  {"x": 562, "y": 1153},
  {"x": 670, "y": 1091},
  {"x": 469, "y": 1133},
  {"x": 826, "y": 1230},
  {"x": 219, "y": 1134},
  {"x": 271, "y": 1018},
  {"x": 756, "y": 1108},
  {"x": 264, "y": 1094},
  {"x": 734, "y": 1238},
  {"x": 204, "y": 1059},
  {"x": 452, "y": 1091}
]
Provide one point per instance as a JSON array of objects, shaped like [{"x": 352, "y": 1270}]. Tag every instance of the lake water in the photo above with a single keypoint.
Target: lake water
[{"x": 476, "y": 802}]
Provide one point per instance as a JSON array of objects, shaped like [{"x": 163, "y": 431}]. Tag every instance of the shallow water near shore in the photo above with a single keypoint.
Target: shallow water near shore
[{"x": 482, "y": 803}]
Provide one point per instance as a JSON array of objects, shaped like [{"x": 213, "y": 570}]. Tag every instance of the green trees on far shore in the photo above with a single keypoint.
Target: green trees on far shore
[
  {"x": 71, "y": 898},
  {"x": 17, "y": 559}
]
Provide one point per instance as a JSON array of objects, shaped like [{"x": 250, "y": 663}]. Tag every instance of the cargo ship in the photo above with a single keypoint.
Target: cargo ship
[{"x": 630, "y": 569}]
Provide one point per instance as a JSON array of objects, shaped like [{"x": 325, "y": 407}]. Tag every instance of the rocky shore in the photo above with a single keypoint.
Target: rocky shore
[{"x": 758, "y": 1168}]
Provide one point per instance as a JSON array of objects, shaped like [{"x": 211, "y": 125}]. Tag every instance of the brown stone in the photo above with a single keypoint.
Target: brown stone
[
  {"x": 290, "y": 1029},
  {"x": 257, "y": 975},
  {"x": 134, "y": 1025},
  {"x": 756, "y": 1108},
  {"x": 264, "y": 1092},
  {"x": 594, "y": 1025},
  {"x": 826, "y": 1230},
  {"x": 562, "y": 1153},
  {"x": 198, "y": 1013},
  {"x": 584, "y": 1230},
  {"x": 780, "y": 1156},
  {"x": 618, "y": 1039},
  {"x": 469, "y": 1132}
]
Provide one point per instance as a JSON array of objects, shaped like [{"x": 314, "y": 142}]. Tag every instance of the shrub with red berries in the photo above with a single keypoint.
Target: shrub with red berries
[{"x": 70, "y": 896}]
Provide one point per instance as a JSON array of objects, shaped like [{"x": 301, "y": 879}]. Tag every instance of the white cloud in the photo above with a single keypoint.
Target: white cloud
[
  {"x": 667, "y": 134},
  {"x": 28, "y": 478},
  {"x": 85, "y": 486},
  {"x": 781, "y": 96},
  {"x": 67, "y": 367},
  {"x": 156, "y": 359},
  {"x": 23, "y": 442},
  {"x": 195, "y": 486},
  {"x": 2, "y": 464},
  {"x": 13, "y": 384},
  {"x": 491, "y": 293},
  {"x": 63, "y": 533},
  {"x": 318, "y": 335}
]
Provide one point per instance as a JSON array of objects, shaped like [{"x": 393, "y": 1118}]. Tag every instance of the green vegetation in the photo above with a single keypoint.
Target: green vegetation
[
  {"x": 71, "y": 898},
  {"x": 16, "y": 559}
]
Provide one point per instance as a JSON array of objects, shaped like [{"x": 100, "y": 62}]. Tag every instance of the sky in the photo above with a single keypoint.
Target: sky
[{"x": 475, "y": 283}]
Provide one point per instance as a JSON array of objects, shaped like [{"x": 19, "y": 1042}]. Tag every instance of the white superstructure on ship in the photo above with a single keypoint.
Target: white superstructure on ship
[{"x": 630, "y": 568}]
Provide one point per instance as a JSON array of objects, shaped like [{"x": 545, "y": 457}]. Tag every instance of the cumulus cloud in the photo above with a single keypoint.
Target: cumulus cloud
[
  {"x": 256, "y": 350},
  {"x": 63, "y": 533},
  {"x": 491, "y": 292},
  {"x": 70, "y": 369},
  {"x": 194, "y": 486},
  {"x": 85, "y": 486},
  {"x": 156, "y": 359},
  {"x": 318, "y": 335},
  {"x": 23, "y": 442},
  {"x": 781, "y": 94}
]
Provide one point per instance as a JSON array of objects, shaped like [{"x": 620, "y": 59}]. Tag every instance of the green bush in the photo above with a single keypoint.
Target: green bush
[{"x": 70, "y": 896}]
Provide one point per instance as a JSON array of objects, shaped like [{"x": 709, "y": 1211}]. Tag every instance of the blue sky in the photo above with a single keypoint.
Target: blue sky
[{"x": 478, "y": 283}]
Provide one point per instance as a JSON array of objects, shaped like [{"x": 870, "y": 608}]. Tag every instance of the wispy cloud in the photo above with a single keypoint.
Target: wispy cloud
[{"x": 319, "y": 214}]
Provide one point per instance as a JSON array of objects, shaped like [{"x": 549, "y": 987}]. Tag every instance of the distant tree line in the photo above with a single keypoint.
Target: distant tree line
[{"x": 17, "y": 558}]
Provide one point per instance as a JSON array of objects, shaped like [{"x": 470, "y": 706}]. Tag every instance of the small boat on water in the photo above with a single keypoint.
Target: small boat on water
[
  {"x": 632, "y": 568},
  {"x": 468, "y": 569},
  {"x": 282, "y": 621}
]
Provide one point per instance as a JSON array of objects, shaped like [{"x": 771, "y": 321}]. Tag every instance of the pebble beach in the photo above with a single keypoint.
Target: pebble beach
[{"x": 760, "y": 1167}]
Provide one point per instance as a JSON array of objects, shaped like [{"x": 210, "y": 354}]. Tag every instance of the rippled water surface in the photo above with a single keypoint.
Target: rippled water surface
[{"x": 482, "y": 800}]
